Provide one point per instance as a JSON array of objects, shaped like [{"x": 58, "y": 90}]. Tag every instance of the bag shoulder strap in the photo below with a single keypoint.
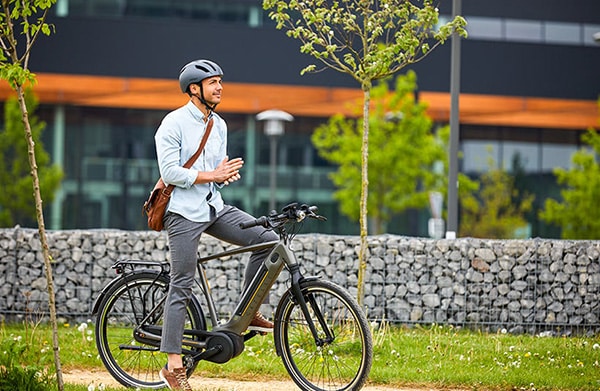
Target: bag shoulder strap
[
  {"x": 189, "y": 163},
  {"x": 191, "y": 160}
]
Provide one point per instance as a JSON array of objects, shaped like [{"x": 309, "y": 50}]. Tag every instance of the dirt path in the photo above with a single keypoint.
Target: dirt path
[{"x": 97, "y": 377}]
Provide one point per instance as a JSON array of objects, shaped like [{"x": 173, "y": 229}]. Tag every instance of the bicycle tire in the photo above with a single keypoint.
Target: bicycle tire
[
  {"x": 130, "y": 361},
  {"x": 342, "y": 364}
]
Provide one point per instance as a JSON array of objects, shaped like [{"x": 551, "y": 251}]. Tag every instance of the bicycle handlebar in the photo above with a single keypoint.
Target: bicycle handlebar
[{"x": 290, "y": 212}]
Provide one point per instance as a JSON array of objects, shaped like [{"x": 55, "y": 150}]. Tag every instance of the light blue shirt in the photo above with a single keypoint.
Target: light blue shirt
[{"x": 177, "y": 139}]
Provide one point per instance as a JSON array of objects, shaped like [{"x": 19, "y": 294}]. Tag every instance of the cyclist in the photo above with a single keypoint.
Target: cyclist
[{"x": 196, "y": 205}]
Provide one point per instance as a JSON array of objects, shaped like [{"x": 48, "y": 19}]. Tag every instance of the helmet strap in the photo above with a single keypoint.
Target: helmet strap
[{"x": 203, "y": 101}]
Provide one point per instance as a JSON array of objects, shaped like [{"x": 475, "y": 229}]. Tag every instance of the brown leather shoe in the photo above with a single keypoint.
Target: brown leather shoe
[
  {"x": 175, "y": 379},
  {"x": 261, "y": 324}
]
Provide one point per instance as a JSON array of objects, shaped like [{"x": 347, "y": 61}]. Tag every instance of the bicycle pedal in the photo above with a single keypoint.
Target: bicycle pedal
[{"x": 253, "y": 333}]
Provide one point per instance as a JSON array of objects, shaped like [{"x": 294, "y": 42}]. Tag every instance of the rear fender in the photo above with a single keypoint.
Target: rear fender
[{"x": 114, "y": 281}]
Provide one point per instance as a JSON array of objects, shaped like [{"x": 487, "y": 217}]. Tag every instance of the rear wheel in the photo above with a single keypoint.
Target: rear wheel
[
  {"x": 132, "y": 357},
  {"x": 342, "y": 358}
]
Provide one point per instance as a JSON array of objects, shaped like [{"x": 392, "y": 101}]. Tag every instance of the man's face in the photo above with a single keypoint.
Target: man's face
[{"x": 213, "y": 87}]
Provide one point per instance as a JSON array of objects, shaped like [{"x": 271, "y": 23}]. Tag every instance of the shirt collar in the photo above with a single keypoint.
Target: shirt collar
[{"x": 196, "y": 113}]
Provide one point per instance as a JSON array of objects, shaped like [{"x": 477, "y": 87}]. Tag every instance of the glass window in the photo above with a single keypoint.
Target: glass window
[
  {"x": 531, "y": 151},
  {"x": 557, "y": 148},
  {"x": 563, "y": 33},
  {"x": 519, "y": 156},
  {"x": 523, "y": 30},
  {"x": 290, "y": 149},
  {"x": 236, "y": 134},
  {"x": 484, "y": 28},
  {"x": 231, "y": 11},
  {"x": 91, "y": 8},
  {"x": 556, "y": 155},
  {"x": 476, "y": 155}
]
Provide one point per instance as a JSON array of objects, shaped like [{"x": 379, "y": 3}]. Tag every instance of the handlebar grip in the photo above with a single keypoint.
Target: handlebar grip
[
  {"x": 248, "y": 224},
  {"x": 253, "y": 223}
]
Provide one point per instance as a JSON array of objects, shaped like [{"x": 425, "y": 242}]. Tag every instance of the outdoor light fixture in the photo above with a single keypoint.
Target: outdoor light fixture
[{"x": 274, "y": 127}]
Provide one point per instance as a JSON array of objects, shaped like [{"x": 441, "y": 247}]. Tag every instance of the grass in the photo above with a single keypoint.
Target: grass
[
  {"x": 444, "y": 356},
  {"x": 433, "y": 357}
]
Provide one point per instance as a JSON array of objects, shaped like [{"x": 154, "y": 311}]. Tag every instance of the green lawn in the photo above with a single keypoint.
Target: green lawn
[{"x": 432, "y": 356}]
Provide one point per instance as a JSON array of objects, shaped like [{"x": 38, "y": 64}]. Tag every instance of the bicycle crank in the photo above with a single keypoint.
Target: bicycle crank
[{"x": 222, "y": 347}]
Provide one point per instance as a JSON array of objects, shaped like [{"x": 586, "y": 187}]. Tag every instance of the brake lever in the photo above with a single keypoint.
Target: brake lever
[{"x": 312, "y": 213}]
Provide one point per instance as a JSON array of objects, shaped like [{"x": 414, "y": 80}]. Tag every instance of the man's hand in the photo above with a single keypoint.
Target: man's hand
[{"x": 228, "y": 171}]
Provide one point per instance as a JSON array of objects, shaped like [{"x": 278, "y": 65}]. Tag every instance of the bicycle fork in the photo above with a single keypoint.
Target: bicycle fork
[{"x": 297, "y": 277}]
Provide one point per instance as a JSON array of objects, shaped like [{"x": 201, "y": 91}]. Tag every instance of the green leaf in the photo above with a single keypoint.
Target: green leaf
[{"x": 577, "y": 213}]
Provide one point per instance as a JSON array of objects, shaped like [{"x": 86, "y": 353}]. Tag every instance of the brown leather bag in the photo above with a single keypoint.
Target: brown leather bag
[{"x": 156, "y": 204}]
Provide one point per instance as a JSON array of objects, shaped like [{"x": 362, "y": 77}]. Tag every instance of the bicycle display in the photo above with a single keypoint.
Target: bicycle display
[{"x": 320, "y": 333}]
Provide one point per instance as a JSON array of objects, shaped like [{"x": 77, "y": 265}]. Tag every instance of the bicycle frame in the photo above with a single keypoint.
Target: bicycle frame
[
  {"x": 259, "y": 287},
  {"x": 206, "y": 291}
]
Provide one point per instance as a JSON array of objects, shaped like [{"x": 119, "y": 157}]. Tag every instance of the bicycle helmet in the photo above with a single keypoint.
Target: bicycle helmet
[{"x": 196, "y": 71}]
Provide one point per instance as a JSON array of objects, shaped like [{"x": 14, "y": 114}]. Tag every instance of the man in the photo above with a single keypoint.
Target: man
[{"x": 196, "y": 205}]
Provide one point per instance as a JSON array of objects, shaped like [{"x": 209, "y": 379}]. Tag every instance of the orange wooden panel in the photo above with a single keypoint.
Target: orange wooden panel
[{"x": 144, "y": 93}]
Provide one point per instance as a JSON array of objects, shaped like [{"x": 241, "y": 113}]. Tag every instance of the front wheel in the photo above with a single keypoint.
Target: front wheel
[{"x": 341, "y": 359}]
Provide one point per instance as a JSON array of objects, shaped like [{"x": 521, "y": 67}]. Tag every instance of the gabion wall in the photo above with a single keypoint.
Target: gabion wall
[{"x": 520, "y": 285}]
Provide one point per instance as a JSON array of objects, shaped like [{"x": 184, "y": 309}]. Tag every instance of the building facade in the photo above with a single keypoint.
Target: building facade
[{"x": 530, "y": 78}]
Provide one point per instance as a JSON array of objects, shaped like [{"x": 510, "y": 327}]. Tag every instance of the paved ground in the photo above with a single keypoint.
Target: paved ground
[{"x": 97, "y": 377}]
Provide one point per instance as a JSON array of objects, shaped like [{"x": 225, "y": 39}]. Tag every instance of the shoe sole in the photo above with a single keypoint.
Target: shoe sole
[{"x": 260, "y": 329}]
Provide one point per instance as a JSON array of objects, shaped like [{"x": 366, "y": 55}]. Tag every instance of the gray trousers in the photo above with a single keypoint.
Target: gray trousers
[{"x": 184, "y": 236}]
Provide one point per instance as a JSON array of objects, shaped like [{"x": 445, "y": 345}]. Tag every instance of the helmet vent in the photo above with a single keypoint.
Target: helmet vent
[{"x": 205, "y": 69}]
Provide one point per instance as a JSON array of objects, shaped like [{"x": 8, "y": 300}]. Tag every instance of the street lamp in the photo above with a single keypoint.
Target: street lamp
[{"x": 274, "y": 127}]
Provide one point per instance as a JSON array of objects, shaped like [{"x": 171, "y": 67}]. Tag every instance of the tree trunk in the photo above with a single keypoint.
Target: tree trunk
[
  {"x": 42, "y": 231},
  {"x": 364, "y": 195}
]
